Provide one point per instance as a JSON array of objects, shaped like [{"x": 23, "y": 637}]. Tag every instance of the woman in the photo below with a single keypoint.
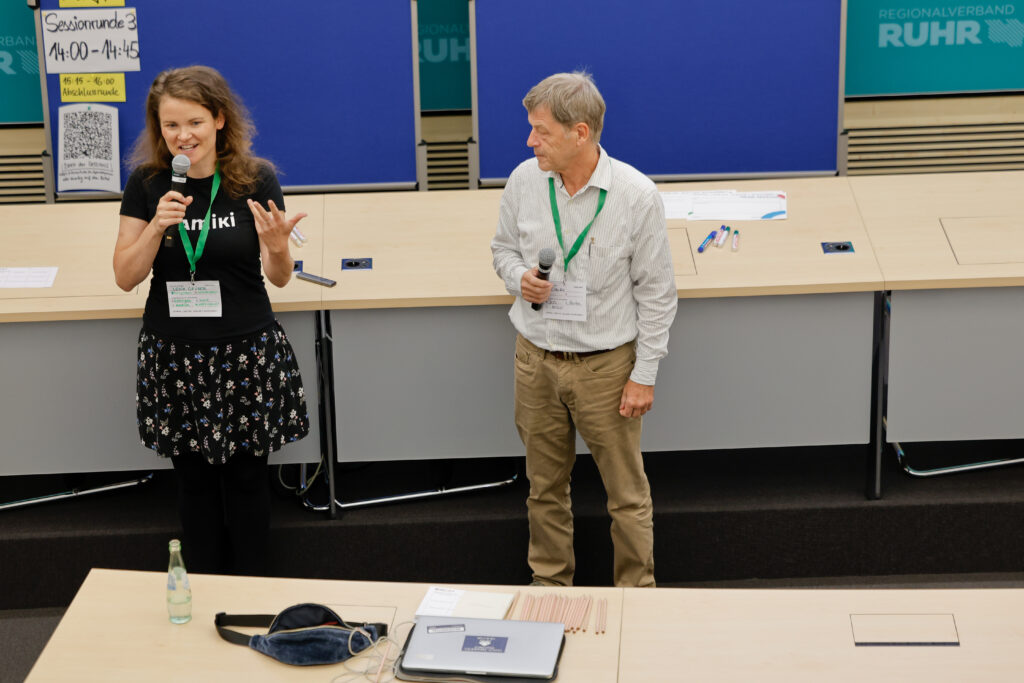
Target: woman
[{"x": 218, "y": 385}]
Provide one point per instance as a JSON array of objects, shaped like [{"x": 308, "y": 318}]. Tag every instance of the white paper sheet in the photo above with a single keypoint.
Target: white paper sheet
[
  {"x": 720, "y": 205},
  {"x": 453, "y": 602},
  {"x": 677, "y": 204},
  {"x": 741, "y": 206},
  {"x": 89, "y": 150},
  {"x": 83, "y": 41},
  {"x": 680, "y": 204},
  {"x": 14, "y": 278}
]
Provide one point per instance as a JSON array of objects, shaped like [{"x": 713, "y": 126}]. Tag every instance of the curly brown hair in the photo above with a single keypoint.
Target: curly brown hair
[{"x": 205, "y": 86}]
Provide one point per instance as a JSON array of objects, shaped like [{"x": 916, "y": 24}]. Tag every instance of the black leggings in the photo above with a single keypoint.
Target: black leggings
[{"x": 225, "y": 514}]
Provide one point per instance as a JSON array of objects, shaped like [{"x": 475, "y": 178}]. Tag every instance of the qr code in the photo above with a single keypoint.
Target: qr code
[{"x": 88, "y": 135}]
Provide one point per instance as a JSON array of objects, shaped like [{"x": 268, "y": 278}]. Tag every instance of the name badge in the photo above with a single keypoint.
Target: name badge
[
  {"x": 199, "y": 299},
  {"x": 568, "y": 301}
]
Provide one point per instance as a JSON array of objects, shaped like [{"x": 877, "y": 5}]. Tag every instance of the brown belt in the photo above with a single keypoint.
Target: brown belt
[{"x": 573, "y": 355}]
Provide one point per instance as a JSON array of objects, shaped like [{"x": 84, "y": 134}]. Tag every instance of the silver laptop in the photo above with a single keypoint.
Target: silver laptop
[{"x": 483, "y": 647}]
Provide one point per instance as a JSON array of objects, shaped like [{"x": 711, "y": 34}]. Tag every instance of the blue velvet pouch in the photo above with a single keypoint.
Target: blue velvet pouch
[{"x": 303, "y": 635}]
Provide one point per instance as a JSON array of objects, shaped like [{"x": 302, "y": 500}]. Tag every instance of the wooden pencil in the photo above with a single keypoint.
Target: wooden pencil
[
  {"x": 586, "y": 612},
  {"x": 527, "y": 610},
  {"x": 577, "y": 612},
  {"x": 581, "y": 618},
  {"x": 570, "y": 616}
]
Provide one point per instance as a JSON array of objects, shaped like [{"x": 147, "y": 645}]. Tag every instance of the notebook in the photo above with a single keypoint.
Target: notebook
[
  {"x": 442, "y": 601},
  {"x": 483, "y": 647}
]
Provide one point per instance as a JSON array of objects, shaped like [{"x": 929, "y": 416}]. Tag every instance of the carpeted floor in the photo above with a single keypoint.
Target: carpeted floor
[{"x": 24, "y": 634}]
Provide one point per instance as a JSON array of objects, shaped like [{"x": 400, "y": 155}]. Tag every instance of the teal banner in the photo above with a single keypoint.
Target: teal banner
[
  {"x": 21, "y": 100},
  {"x": 444, "y": 55},
  {"x": 903, "y": 47}
]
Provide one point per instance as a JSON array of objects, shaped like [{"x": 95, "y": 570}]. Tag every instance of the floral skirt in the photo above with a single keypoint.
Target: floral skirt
[{"x": 241, "y": 396}]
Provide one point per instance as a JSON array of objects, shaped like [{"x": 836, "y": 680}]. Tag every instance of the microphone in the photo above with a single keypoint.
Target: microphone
[
  {"x": 179, "y": 170},
  {"x": 544, "y": 261}
]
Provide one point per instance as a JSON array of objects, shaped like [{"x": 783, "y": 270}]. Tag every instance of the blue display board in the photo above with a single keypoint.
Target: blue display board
[
  {"x": 328, "y": 82},
  {"x": 902, "y": 47},
  {"x": 722, "y": 86}
]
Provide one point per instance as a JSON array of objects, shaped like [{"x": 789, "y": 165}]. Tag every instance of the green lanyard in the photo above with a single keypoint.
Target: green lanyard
[
  {"x": 558, "y": 223},
  {"x": 194, "y": 256}
]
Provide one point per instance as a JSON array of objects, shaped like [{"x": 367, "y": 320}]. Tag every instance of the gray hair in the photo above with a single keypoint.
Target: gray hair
[{"x": 571, "y": 98}]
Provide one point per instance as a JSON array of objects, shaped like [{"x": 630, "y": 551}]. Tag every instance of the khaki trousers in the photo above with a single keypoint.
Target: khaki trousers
[{"x": 554, "y": 398}]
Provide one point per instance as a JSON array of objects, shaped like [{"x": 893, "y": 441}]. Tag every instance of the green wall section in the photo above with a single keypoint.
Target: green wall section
[
  {"x": 20, "y": 95},
  {"x": 444, "y": 55},
  {"x": 902, "y": 47}
]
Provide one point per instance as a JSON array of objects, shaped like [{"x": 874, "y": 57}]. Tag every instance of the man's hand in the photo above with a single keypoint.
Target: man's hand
[
  {"x": 637, "y": 399},
  {"x": 534, "y": 290}
]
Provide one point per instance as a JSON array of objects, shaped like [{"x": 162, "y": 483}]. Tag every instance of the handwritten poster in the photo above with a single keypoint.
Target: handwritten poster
[
  {"x": 93, "y": 40},
  {"x": 92, "y": 88}
]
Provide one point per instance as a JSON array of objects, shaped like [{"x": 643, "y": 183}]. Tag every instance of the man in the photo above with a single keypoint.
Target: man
[{"x": 588, "y": 358}]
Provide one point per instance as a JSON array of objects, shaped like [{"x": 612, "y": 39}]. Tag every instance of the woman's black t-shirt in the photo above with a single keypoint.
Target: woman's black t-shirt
[{"x": 231, "y": 256}]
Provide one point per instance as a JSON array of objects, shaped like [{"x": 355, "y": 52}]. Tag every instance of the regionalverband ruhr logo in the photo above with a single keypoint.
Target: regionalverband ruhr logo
[{"x": 950, "y": 26}]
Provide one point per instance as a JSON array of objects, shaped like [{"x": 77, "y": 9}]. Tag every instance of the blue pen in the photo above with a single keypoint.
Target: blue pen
[{"x": 707, "y": 240}]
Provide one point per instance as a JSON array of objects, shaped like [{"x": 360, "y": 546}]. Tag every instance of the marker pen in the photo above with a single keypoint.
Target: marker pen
[
  {"x": 736, "y": 241},
  {"x": 722, "y": 236},
  {"x": 707, "y": 240}
]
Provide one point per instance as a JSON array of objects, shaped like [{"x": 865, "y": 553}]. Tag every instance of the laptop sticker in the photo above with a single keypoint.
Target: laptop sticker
[{"x": 484, "y": 644}]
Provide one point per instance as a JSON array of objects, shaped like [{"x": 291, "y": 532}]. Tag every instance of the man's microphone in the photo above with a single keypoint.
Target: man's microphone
[
  {"x": 179, "y": 171},
  {"x": 544, "y": 261}
]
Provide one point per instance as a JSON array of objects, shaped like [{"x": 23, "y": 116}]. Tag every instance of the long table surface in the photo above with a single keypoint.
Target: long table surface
[
  {"x": 116, "y": 629},
  {"x": 797, "y": 635},
  {"x": 78, "y": 238},
  {"x": 432, "y": 248},
  {"x": 945, "y": 230}
]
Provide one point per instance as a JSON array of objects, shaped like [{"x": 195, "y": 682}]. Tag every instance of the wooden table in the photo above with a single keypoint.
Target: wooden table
[
  {"x": 809, "y": 635},
  {"x": 68, "y": 369},
  {"x": 951, "y": 250},
  {"x": 79, "y": 239},
  {"x": 772, "y": 345},
  {"x": 116, "y": 628}
]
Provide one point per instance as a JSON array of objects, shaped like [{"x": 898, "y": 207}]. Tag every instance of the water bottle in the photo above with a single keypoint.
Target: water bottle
[{"x": 179, "y": 593}]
